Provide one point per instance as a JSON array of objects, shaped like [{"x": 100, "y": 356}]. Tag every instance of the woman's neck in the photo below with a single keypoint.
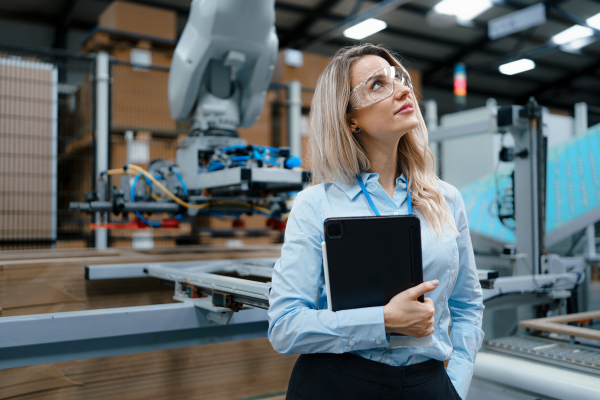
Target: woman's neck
[{"x": 383, "y": 158}]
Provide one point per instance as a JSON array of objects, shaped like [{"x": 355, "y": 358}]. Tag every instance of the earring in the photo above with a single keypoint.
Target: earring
[{"x": 357, "y": 129}]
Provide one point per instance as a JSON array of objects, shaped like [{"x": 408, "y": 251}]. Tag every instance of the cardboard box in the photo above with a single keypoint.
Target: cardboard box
[
  {"x": 308, "y": 74},
  {"x": 147, "y": 20},
  {"x": 139, "y": 99},
  {"x": 139, "y": 95}
]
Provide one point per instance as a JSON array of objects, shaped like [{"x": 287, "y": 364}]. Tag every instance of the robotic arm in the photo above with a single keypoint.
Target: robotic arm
[
  {"x": 223, "y": 64},
  {"x": 219, "y": 78}
]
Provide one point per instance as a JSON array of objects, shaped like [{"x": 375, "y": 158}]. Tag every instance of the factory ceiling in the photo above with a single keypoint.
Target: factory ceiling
[{"x": 561, "y": 77}]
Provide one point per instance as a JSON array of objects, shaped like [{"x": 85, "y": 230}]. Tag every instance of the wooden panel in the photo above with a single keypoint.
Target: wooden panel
[
  {"x": 231, "y": 370},
  {"x": 58, "y": 284},
  {"x": 555, "y": 324}
]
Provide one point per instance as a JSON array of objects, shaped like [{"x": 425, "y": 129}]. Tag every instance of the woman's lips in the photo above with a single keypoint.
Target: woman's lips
[{"x": 407, "y": 107}]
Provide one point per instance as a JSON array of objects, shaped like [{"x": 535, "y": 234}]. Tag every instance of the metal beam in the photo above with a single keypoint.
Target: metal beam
[
  {"x": 562, "y": 83},
  {"x": 41, "y": 18},
  {"x": 46, "y": 338},
  {"x": 383, "y": 7},
  {"x": 293, "y": 36},
  {"x": 64, "y": 19}
]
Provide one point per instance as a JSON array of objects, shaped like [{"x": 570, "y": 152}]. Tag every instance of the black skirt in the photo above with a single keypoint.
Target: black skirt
[{"x": 347, "y": 377}]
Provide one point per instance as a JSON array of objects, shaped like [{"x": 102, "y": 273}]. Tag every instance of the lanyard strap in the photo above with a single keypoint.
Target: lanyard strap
[{"x": 368, "y": 196}]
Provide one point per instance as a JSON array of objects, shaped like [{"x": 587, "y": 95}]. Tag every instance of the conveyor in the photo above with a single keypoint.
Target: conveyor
[{"x": 220, "y": 300}]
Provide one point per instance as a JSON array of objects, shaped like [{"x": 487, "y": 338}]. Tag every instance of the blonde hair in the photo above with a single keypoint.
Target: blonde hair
[{"x": 336, "y": 153}]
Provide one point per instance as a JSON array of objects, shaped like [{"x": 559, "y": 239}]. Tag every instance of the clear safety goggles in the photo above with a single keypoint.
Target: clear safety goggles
[{"x": 379, "y": 86}]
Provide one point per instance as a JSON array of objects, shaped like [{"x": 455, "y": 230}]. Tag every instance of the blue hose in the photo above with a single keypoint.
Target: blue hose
[
  {"x": 137, "y": 213},
  {"x": 180, "y": 179}
]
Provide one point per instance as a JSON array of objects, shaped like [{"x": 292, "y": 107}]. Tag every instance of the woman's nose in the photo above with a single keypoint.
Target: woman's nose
[{"x": 400, "y": 90}]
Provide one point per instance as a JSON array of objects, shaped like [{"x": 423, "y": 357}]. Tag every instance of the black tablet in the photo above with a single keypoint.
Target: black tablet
[{"x": 369, "y": 260}]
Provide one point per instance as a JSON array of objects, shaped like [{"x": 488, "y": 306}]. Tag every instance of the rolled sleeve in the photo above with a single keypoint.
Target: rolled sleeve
[
  {"x": 466, "y": 307},
  {"x": 295, "y": 324}
]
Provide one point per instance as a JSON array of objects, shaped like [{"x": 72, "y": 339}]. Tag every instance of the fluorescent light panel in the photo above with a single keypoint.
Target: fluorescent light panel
[
  {"x": 465, "y": 10},
  {"x": 575, "y": 32},
  {"x": 365, "y": 28},
  {"x": 578, "y": 36},
  {"x": 517, "y": 67},
  {"x": 594, "y": 21}
]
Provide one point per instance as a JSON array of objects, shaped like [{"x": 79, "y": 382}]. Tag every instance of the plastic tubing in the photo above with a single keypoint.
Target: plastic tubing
[
  {"x": 137, "y": 213},
  {"x": 129, "y": 168}
]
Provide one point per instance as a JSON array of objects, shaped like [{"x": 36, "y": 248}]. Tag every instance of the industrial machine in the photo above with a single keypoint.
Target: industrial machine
[
  {"x": 508, "y": 222},
  {"x": 218, "y": 82}
]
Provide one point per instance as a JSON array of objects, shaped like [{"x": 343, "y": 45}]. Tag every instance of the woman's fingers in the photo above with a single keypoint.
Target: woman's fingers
[{"x": 415, "y": 292}]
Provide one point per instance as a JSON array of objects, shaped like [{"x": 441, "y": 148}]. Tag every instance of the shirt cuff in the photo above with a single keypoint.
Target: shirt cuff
[{"x": 362, "y": 328}]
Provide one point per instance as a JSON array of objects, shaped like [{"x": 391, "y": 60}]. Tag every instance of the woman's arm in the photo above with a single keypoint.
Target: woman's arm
[
  {"x": 295, "y": 325},
  {"x": 466, "y": 307}
]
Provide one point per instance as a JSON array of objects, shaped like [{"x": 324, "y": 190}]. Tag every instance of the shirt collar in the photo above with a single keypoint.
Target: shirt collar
[
  {"x": 352, "y": 189},
  {"x": 401, "y": 178}
]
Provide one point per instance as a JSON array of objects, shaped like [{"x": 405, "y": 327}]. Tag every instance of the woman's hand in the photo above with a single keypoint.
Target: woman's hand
[{"x": 407, "y": 315}]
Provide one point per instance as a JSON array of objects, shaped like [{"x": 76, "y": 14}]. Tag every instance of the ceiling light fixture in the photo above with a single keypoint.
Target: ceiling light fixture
[
  {"x": 365, "y": 28},
  {"x": 576, "y": 32},
  {"x": 517, "y": 67},
  {"x": 577, "y": 36},
  {"x": 464, "y": 10}
]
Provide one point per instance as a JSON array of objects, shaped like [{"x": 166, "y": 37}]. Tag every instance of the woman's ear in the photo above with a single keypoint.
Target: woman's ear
[{"x": 352, "y": 124}]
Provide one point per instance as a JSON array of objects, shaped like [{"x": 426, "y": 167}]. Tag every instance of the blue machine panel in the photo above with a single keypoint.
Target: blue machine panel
[{"x": 573, "y": 188}]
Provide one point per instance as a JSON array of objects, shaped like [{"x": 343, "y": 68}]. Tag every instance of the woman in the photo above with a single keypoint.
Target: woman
[{"x": 366, "y": 126}]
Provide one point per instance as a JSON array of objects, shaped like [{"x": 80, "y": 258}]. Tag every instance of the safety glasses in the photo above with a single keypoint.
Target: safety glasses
[{"x": 379, "y": 86}]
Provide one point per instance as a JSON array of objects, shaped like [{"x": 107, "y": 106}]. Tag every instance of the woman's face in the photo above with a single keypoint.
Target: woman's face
[{"x": 386, "y": 120}]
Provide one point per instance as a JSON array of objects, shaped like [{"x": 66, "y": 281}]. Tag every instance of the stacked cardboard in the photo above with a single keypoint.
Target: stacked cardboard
[
  {"x": 27, "y": 134},
  {"x": 143, "y": 35},
  {"x": 41, "y": 281}
]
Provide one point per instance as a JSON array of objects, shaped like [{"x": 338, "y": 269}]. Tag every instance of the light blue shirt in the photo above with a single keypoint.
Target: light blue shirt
[{"x": 299, "y": 322}]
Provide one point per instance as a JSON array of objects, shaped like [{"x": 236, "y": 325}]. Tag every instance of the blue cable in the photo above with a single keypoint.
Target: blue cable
[
  {"x": 216, "y": 166},
  {"x": 137, "y": 213}
]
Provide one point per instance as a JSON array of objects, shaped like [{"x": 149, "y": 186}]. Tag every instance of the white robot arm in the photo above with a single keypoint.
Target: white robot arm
[{"x": 223, "y": 64}]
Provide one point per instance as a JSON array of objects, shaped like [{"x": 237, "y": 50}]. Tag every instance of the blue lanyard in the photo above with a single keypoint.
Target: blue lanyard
[{"x": 368, "y": 196}]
